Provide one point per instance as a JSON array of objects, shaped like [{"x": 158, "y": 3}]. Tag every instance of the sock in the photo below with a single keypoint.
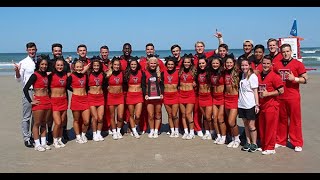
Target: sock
[
  {"x": 114, "y": 131},
  {"x": 236, "y": 138},
  {"x": 151, "y": 131},
  {"x": 172, "y": 130},
  {"x": 219, "y": 136},
  {"x": 156, "y": 131},
  {"x": 98, "y": 132},
  {"x": 118, "y": 130},
  {"x": 94, "y": 134},
  {"x": 134, "y": 130},
  {"x": 37, "y": 141},
  {"x": 176, "y": 130},
  {"x": 223, "y": 138},
  {"x": 77, "y": 136},
  {"x": 186, "y": 131},
  {"x": 55, "y": 140},
  {"x": 43, "y": 141},
  {"x": 192, "y": 131},
  {"x": 207, "y": 132},
  {"x": 83, "y": 134}
]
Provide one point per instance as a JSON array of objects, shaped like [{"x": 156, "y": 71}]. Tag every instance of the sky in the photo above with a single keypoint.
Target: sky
[{"x": 162, "y": 26}]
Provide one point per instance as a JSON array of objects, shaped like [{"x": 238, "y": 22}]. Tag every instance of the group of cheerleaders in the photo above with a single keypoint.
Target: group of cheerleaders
[{"x": 198, "y": 91}]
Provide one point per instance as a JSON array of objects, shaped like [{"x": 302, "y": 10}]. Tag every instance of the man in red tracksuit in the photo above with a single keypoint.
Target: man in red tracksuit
[
  {"x": 270, "y": 86},
  {"x": 292, "y": 73}
]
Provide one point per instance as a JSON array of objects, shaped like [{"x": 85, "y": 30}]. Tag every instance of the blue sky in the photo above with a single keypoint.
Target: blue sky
[{"x": 163, "y": 26}]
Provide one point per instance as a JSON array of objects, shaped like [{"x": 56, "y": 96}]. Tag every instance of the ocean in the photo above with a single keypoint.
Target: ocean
[{"x": 310, "y": 56}]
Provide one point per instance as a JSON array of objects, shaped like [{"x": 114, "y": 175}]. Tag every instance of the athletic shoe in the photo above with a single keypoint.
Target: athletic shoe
[
  {"x": 136, "y": 135},
  {"x": 29, "y": 144},
  {"x": 268, "y": 152},
  {"x": 190, "y": 136},
  {"x": 221, "y": 141},
  {"x": 172, "y": 135},
  {"x": 230, "y": 144},
  {"x": 56, "y": 145},
  {"x": 298, "y": 149},
  {"x": 95, "y": 138},
  {"x": 150, "y": 135},
  {"x": 253, "y": 148},
  {"x": 176, "y": 134},
  {"x": 185, "y": 135},
  {"x": 46, "y": 147},
  {"x": 246, "y": 147},
  {"x": 84, "y": 139},
  {"x": 61, "y": 143},
  {"x": 100, "y": 138},
  {"x": 155, "y": 135},
  {"x": 80, "y": 141},
  {"x": 39, "y": 148},
  {"x": 200, "y": 133},
  {"x": 120, "y": 135},
  {"x": 279, "y": 145},
  {"x": 115, "y": 136},
  {"x": 206, "y": 137}
]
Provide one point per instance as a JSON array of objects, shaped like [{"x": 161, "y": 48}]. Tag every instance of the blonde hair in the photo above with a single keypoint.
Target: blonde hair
[
  {"x": 110, "y": 70},
  {"x": 157, "y": 69}
]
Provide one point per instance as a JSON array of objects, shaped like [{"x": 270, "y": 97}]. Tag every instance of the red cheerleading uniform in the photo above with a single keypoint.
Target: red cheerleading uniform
[
  {"x": 230, "y": 101},
  {"x": 255, "y": 66},
  {"x": 290, "y": 103},
  {"x": 217, "y": 98},
  {"x": 115, "y": 98},
  {"x": 59, "y": 103},
  {"x": 135, "y": 97},
  {"x": 170, "y": 98},
  {"x": 143, "y": 64},
  {"x": 269, "y": 110},
  {"x": 41, "y": 82},
  {"x": 205, "y": 99},
  {"x": 78, "y": 103},
  {"x": 96, "y": 99},
  {"x": 187, "y": 97}
]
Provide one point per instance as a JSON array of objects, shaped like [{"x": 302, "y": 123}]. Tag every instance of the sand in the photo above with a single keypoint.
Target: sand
[{"x": 153, "y": 155}]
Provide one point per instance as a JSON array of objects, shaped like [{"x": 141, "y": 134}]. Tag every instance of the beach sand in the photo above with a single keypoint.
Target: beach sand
[{"x": 153, "y": 155}]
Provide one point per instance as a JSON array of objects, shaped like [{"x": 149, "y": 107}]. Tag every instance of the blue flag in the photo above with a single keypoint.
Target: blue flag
[{"x": 294, "y": 30}]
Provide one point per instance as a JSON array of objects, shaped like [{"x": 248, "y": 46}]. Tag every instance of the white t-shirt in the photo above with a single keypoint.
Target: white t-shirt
[
  {"x": 27, "y": 67},
  {"x": 246, "y": 96}
]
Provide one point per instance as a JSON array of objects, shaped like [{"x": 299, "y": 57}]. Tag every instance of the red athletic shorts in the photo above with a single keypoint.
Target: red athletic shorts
[
  {"x": 59, "y": 103},
  {"x": 115, "y": 99},
  {"x": 79, "y": 103},
  {"x": 170, "y": 98},
  {"x": 230, "y": 101},
  {"x": 187, "y": 97},
  {"x": 134, "y": 97},
  {"x": 218, "y": 99},
  {"x": 44, "y": 103},
  {"x": 96, "y": 99},
  {"x": 205, "y": 99}
]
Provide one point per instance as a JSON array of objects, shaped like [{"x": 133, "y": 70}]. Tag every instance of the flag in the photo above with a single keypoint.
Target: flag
[{"x": 294, "y": 30}]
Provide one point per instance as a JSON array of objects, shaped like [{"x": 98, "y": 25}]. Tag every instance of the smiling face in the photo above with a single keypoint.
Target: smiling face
[
  {"x": 133, "y": 65},
  {"x": 187, "y": 63},
  {"x": 222, "y": 52},
  {"x": 43, "y": 65},
  {"x": 202, "y": 64},
  {"x": 215, "y": 64},
  {"x": 59, "y": 65},
  {"x": 229, "y": 63},
  {"x": 127, "y": 50},
  {"x": 96, "y": 66},
  {"x": 32, "y": 51},
  {"x": 170, "y": 65},
  {"x": 176, "y": 52},
  {"x": 104, "y": 53},
  {"x": 199, "y": 47},
  {"x": 78, "y": 67},
  {"x": 57, "y": 52},
  {"x": 247, "y": 47},
  {"x": 245, "y": 66},
  {"x": 82, "y": 52},
  {"x": 273, "y": 47},
  {"x": 150, "y": 50},
  {"x": 258, "y": 53},
  {"x": 116, "y": 65},
  {"x": 153, "y": 63},
  {"x": 266, "y": 64}
]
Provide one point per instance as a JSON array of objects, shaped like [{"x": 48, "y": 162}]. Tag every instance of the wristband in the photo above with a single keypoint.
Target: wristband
[{"x": 296, "y": 79}]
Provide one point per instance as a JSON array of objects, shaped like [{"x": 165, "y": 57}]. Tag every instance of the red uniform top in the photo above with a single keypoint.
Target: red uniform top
[
  {"x": 186, "y": 77},
  {"x": 41, "y": 82},
  {"x": 227, "y": 78},
  {"x": 255, "y": 66},
  {"x": 135, "y": 79},
  {"x": 95, "y": 80},
  {"x": 124, "y": 64},
  {"x": 207, "y": 54},
  {"x": 277, "y": 58},
  {"x": 291, "y": 88},
  {"x": 104, "y": 67},
  {"x": 178, "y": 66},
  {"x": 269, "y": 82},
  {"x": 143, "y": 64},
  {"x": 58, "y": 82},
  {"x": 171, "y": 78},
  {"x": 78, "y": 82},
  {"x": 202, "y": 78},
  {"x": 215, "y": 81},
  {"x": 116, "y": 80}
]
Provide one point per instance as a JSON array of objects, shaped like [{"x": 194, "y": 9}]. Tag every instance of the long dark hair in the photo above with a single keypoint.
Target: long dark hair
[
  {"x": 40, "y": 58},
  {"x": 128, "y": 69},
  {"x": 206, "y": 69},
  {"x": 192, "y": 68},
  {"x": 219, "y": 71}
]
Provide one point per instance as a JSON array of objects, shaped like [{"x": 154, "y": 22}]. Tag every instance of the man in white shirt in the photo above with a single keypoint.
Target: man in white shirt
[{"x": 24, "y": 69}]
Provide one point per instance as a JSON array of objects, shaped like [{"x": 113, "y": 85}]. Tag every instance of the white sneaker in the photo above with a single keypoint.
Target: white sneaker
[
  {"x": 259, "y": 149},
  {"x": 95, "y": 138},
  {"x": 216, "y": 140},
  {"x": 100, "y": 138},
  {"x": 279, "y": 145},
  {"x": 206, "y": 137},
  {"x": 136, "y": 135},
  {"x": 39, "y": 148},
  {"x": 185, "y": 135},
  {"x": 199, "y": 133},
  {"x": 230, "y": 144},
  {"x": 46, "y": 147},
  {"x": 80, "y": 141},
  {"x": 221, "y": 141},
  {"x": 115, "y": 136},
  {"x": 268, "y": 152},
  {"x": 190, "y": 136},
  {"x": 143, "y": 132},
  {"x": 84, "y": 139},
  {"x": 155, "y": 135},
  {"x": 168, "y": 133},
  {"x": 119, "y": 135},
  {"x": 110, "y": 132},
  {"x": 176, "y": 134},
  {"x": 131, "y": 134},
  {"x": 61, "y": 143},
  {"x": 150, "y": 135},
  {"x": 56, "y": 145},
  {"x": 298, "y": 149},
  {"x": 236, "y": 144},
  {"x": 172, "y": 135}
]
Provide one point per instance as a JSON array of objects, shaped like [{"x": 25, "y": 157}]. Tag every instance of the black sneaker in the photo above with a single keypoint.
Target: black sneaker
[
  {"x": 253, "y": 148},
  {"x": 246, "y": 147},
  {"x": 49, "y": 138},
  {"x": 29, "y": 144}
]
